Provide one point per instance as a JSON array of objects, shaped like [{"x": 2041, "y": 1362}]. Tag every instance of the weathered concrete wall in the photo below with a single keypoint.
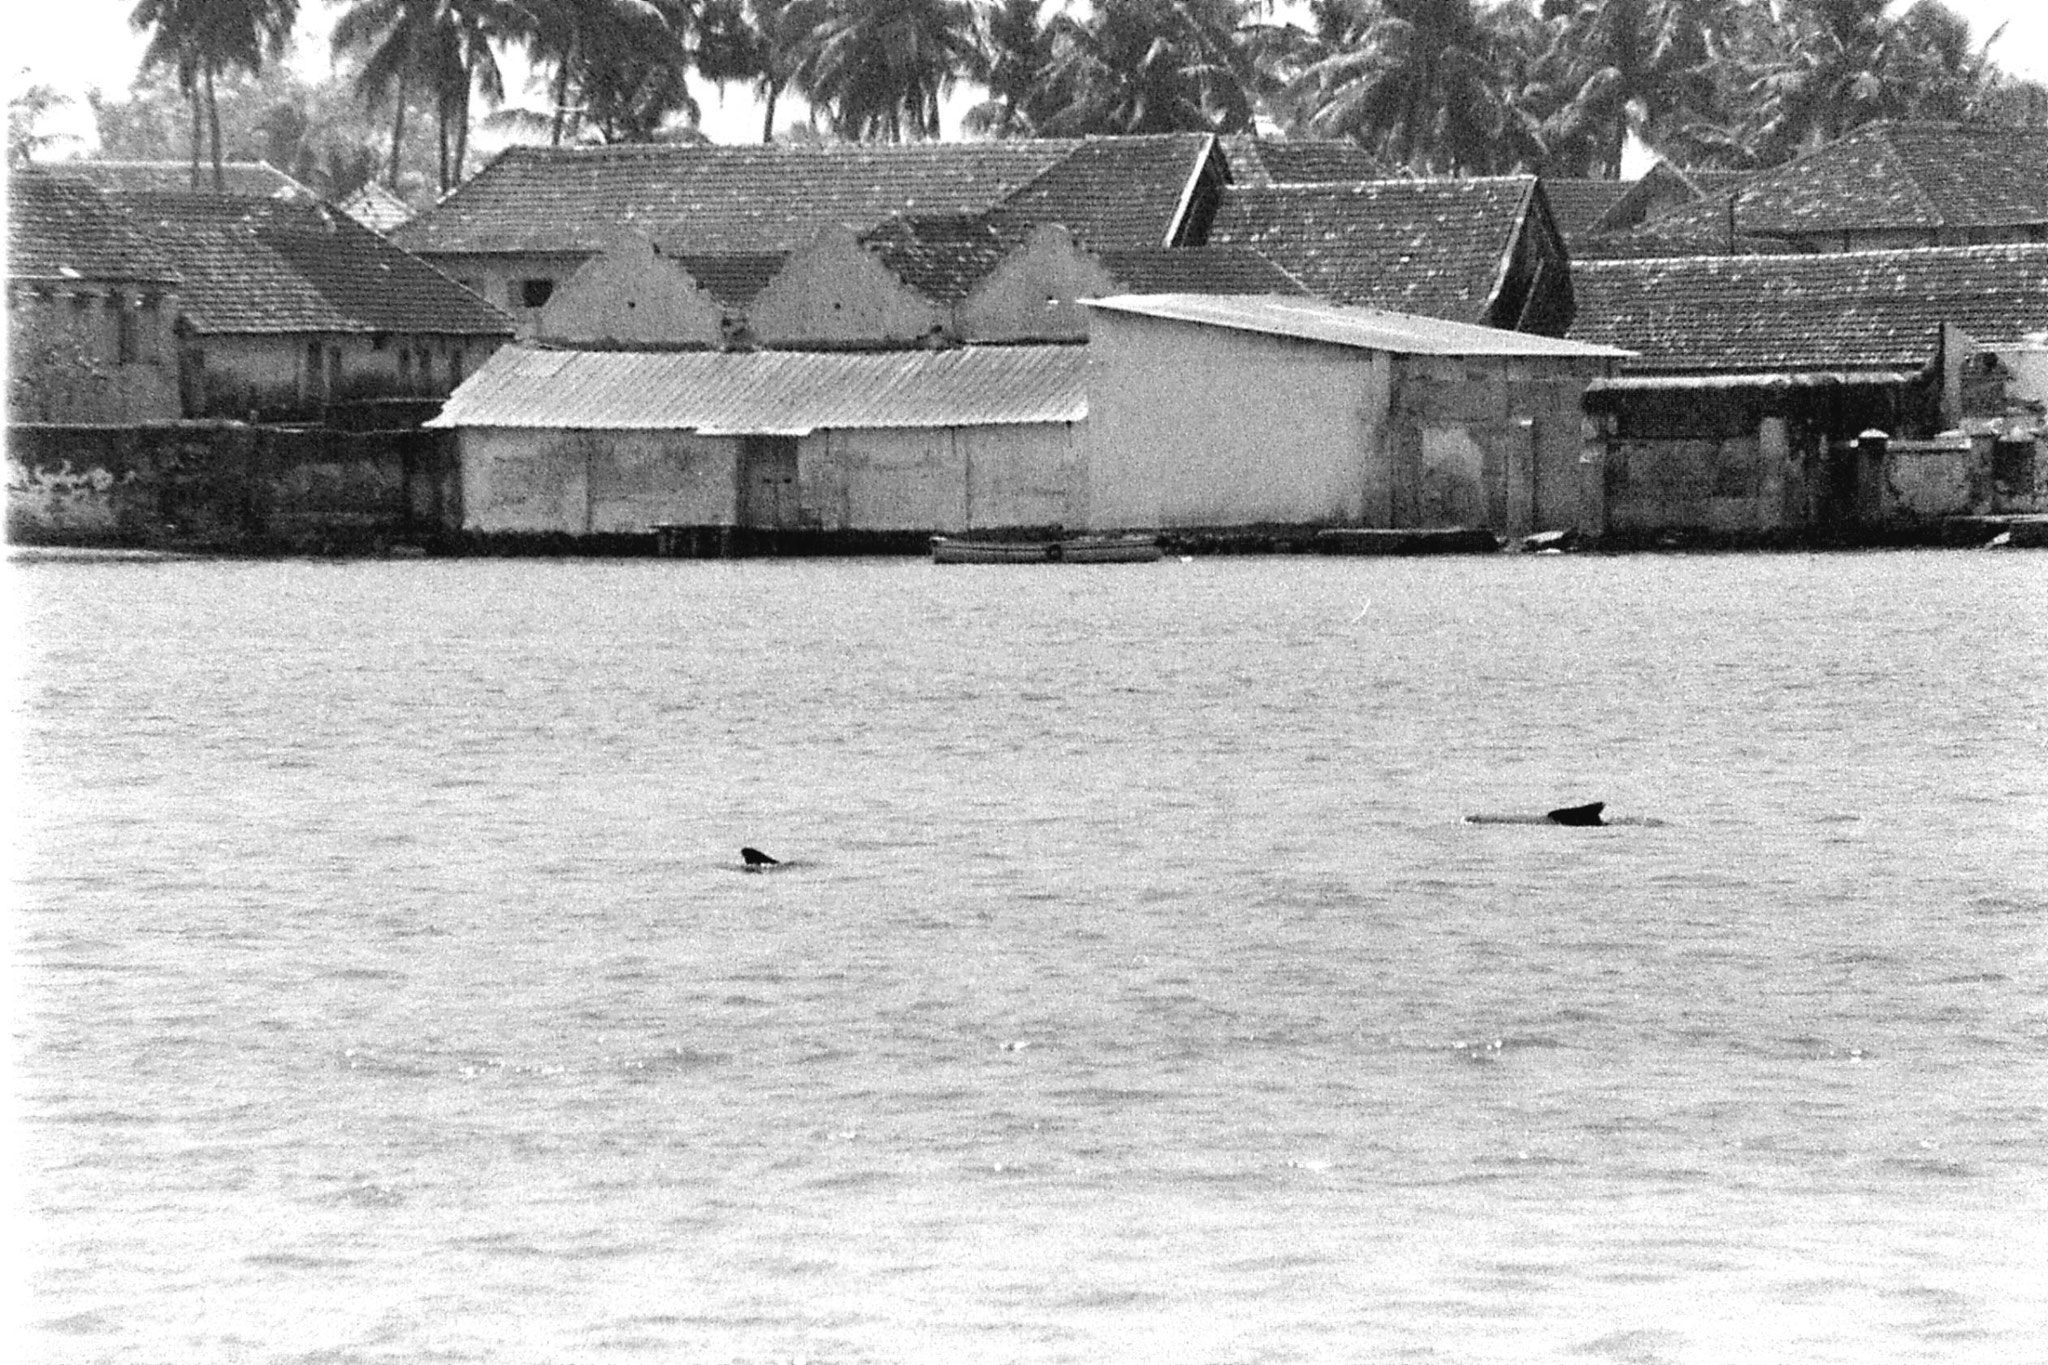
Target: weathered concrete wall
[
  {"x": 631, "y": 293},
  {"x": 294, "y": 377},
  {"x": 89, "y": 353},
  {"x": 595, "y": 482},
  {"x": 504, "y": 279},
  {"x": 1929, "y": 480},
  {"x": 2019, "y": 474},
  {"x": 1192, "y": 426},
  {"x": 1491, "y": 441},
  {"x": 941, "y": 479},
  {"x": 1033, "y": 293},
  {"x": 226, "y": 485},
  {"x": 837, "y": 292}
]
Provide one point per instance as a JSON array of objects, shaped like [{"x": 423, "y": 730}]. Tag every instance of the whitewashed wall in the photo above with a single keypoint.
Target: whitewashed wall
[{"x": 1201, "y": 426}]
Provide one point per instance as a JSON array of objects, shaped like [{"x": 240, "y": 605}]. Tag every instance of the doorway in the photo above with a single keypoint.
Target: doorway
[{"x": 768, "y": 487}]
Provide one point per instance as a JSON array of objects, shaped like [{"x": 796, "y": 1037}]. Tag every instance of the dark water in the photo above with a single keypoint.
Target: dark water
[{"x": 1132, "y": 990}]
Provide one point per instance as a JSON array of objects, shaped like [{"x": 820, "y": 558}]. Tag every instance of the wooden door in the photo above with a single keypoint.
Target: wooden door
[{"x": 768, "y": 486}]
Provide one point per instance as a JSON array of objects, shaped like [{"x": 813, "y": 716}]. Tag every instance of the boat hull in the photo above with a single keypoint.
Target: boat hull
[{"x": 1078, "y": 550}]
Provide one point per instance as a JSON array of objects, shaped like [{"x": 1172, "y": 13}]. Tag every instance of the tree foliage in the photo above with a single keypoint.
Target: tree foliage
[
  {"x": 1436, "y": 86},
  {"x": 202, "y": 41}
]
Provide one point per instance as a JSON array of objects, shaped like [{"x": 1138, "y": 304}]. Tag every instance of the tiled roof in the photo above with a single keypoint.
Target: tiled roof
[
  {"x": 1115, "y": 191},
  {"x": 771, "y": 392},
  {"x": 1297, "y": 161},
  {"x": 733, "y": 280},
  {"x": 61, "y": 229},
  {"x": 1579, "y": 205},
  {"x": 707, "y": 199},
  {"x": 272, "y": 266},
  {"x": 1370, "y": 329},
  {"x": 243, "y": 179},
  {"x": 1198, "y": 270},
  {"x": 1828, "y": 311},
  {"x": 376, "y": 208},
  {"x": 1657, "y": 238},
  {"x": 944, "y": 257},
  {"x": 1915, "y": 176},
  {"x": 1435, "y": 247}
]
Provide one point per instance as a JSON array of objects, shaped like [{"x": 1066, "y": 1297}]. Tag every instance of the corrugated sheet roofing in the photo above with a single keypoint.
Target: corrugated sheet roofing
[
  {"x": 1365, "y": 328},
  {"x": 64, "y": 229},
  {"x": 270, "y": 266},
  {"x": 1846, "y": 310},
  {"x": 764, "y": 393}
]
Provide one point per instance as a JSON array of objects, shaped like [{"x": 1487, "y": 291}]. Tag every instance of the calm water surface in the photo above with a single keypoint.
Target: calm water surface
[{"x": 1133, "y": 990}]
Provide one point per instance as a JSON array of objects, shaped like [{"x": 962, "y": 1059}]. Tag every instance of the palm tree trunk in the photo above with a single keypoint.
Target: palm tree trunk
[
  {"x": 198, "y": 138},
  {"x": 462, "y": 122},
  {"x": 562, "y": 95},
  {"x": 774, "y": 88},
  {"x": 397, "y": 132},
  {"x": 220, "y": 177}
]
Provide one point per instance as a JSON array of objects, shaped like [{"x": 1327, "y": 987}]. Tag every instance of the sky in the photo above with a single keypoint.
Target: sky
[{"x": 87, "y": 43}]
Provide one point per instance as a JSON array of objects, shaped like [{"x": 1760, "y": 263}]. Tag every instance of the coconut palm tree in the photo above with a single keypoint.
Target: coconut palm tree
[
  {"x": 1616, "y": 66},
  {"x": 878, "y": 69},
  {"x": 1415, "y": 81},
  {"x": 399, "y": 42},
  {"x": 1157, "y": 66},
  {"x": 1830, "y": 67},
  {"x": 757, "y": 42},
  {"x": 1018, "y": 47},
  {"x": 203, "y": 39}
]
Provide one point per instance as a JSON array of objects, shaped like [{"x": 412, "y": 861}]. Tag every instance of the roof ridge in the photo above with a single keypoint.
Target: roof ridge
[{"x": 1909, "y": 173}]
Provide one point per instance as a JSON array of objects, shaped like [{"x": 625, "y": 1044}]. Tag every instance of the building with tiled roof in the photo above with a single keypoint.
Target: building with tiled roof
[
  {"x": 241, "y": 179},
  {"x": 1482, "y": 250},
  {"x": 1835, "y": 311},
  {"x": 286, "y": 307},
  {"x": 532, "y": 215},
  {"x": 525, "y": 222},
  {"x": 90, "y": 308},
  {"x": 705, "y": 198},
  {"x": 1886, "y": 185}
]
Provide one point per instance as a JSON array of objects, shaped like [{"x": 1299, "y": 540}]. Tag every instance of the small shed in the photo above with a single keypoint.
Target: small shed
[
  {"x": 1211, "y": 411},
  {"x": 583, "y": 442}
]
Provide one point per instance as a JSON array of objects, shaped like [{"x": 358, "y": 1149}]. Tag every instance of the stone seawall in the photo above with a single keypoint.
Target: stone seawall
[{"x": 229, "y": 487}]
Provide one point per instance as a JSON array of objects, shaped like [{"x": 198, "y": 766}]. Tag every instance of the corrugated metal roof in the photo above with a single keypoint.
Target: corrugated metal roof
[
  {"x": 1366, "y": 328},
  {"x": 770, "y": 393}
]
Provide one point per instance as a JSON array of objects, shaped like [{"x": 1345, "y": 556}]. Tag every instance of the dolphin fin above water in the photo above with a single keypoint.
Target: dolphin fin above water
[
  {"x": 1588, "y": 815},
  {"x": 755, "y": 859}
]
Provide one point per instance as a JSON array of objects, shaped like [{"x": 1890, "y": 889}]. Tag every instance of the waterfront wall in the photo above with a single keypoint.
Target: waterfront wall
[{"x": 229, "y": 486}]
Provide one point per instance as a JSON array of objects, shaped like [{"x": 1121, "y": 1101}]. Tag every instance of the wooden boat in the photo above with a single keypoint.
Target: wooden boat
[{"x": 1070, "y": 550}]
